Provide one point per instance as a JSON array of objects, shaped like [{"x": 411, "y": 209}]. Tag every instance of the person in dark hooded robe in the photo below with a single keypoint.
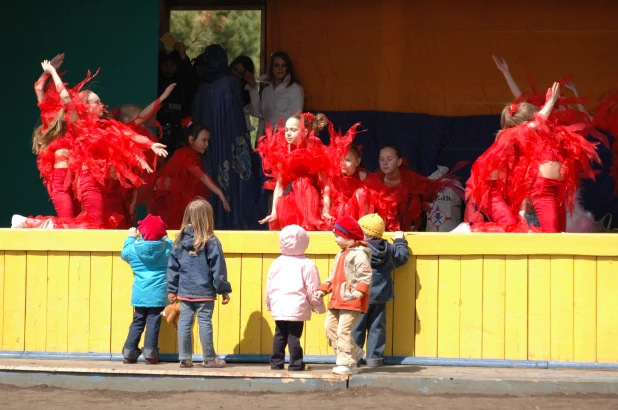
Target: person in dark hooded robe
[{"x": 219, "y": 107}]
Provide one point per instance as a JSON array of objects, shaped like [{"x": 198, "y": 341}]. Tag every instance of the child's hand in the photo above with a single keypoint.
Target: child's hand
[
  {"x": 319, "y": 294},
  {"x": 168, "y": 91},
  {"x": 159, "y": 149},
  {"x": 552, "y": 94},
  {"x": 226, "y": 205},
  {"x": 48, "y": 67},
  {"x": 133, "y": 232},
  {"x": 171, "y": 297},
  {"x": 501, "y": 64},
  {"x": 225, "y": 299},
  {"x": 269, "y": 218},
  {"x": 249, "y": 78},
  {"x": 357, "y": 294},
  {"x": 399, "y": 235}
]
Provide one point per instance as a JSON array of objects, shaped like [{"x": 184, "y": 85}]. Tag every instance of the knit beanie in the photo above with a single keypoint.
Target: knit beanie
[
  {"x": 372, "y": 225},
  {"x": 348, "y": 228},
  {"x": 152, "y": 228}
]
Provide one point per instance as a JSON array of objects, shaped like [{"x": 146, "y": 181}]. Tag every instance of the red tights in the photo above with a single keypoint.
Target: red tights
[
  {"x": 61, "y": 193},
  {"x": 549, "y": 207},
  {"x": 500, "y": 212},
  {"x": 91, "y": 198}
]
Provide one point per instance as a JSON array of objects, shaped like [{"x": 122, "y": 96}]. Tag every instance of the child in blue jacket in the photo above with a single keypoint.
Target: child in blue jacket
[
  {"x": 384, "y": 258},
  {"x": 147, "y": 250}
]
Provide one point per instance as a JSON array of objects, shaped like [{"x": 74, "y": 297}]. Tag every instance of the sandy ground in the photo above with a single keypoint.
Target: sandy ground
[{"x": 48, "y": 398}]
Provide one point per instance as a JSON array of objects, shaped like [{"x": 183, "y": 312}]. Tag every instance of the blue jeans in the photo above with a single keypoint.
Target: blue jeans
[
  {"x": 373, "y": 326},
  {"x": 149, "y": 318},
  {"x": 204, "y": 312}
]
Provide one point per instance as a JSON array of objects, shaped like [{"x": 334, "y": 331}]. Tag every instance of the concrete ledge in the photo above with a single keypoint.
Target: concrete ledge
[
  {"x": 84, "y": 375},
  {"x": 491, "y": 382},
  {"x": 112, "y": 375}
]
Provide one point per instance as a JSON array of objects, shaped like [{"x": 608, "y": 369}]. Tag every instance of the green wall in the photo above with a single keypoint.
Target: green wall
[{"x": 119, "y": 36}]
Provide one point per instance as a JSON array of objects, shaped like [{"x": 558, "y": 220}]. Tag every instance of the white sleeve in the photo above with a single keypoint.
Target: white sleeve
[
  {"x": 297, "y": 99},
  {"x": 254, "y": 108}
]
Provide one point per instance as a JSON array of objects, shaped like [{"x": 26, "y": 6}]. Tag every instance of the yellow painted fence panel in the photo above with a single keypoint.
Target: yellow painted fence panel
[{"x": 527, "y": 299}]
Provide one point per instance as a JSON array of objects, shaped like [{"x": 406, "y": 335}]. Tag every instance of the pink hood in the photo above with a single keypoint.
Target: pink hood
[
  {"x": 293, "y": 241},
  {"x": 293, "y": 279}
]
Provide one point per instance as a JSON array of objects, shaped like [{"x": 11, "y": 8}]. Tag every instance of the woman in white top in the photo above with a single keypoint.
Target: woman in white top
[{"x": 283, "y": 96}]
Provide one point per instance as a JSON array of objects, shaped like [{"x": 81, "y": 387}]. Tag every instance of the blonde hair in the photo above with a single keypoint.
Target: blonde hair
[
  {"x": 199, "y": 216},
  {"x": 317, "y": 124},
  {"x": 517, "y": 114},
  {"x": 42, "y": 139}
]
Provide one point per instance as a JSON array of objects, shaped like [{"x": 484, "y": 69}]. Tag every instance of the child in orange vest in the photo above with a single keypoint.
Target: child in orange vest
[{"x": 349, "y": 283}]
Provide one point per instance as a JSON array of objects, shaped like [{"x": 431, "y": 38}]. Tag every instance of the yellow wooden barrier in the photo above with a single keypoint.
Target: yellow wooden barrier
[{"x": 484, "y": 296}]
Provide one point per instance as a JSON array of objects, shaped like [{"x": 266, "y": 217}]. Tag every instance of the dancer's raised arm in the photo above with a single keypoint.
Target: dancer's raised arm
[{"x": 504, "y": 68}]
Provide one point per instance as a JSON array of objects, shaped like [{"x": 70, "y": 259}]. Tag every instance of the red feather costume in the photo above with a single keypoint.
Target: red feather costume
[
  {"x": 301, "y": 171},
  {"x": 508, "y": 173},
  {"x": 177, "y": 184}
]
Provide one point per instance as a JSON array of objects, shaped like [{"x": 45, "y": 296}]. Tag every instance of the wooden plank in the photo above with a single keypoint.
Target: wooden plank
[
  {"x": 36, "y": 301},
  {"x": 268, "y": 323},
  {"x": 561, "y": 335},
  {"x": 122, "y": 311},
  {"x": 259, "y": 242},
  {"x": 14, "y": 301},
  {"x": 539, "y": 292},
  {"x": 516, "y": 308},
  {"x": 2, "y": 295},
  {"x": 449, "y": 298},
  {"x": 426, "y": 341},
  {"x": 494, "y": 290},
  {"x": 229, "y": 315},
  {"x": 100, "y": 302},
  {"x": 251, "y": 304},
  {"x": 471, "y": 318},
  {"x": 315, "y": 336},
  {"x": 402, "y": 327},
  {"x": 607, "y": 306},
  {"x": 58, "y": 302},
  {"x": 79, "y": 301},
  {"x": 585, "y": 309}
]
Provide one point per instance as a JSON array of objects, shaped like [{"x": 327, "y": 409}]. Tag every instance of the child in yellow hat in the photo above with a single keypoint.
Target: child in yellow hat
[{"x": 385, "y": 257}]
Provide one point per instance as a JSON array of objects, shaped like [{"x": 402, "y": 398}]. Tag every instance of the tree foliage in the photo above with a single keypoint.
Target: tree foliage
[{"x": 237, "y": 31}]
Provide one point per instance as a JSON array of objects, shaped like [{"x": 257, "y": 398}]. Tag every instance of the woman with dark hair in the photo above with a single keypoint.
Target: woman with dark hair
[
  {"x": 218, "y": 106},
  {"x": 243, "y": 68},
  {"x": 283, "y": 96}
]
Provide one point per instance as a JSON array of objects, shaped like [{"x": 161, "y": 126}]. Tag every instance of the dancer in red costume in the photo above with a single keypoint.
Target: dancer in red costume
[
  {"x": 107, "y": 150},
  {"x": 119, "y": 199},
  {"x": 413, "y": 192},
  {"x": 535, "y": 156},
  {"x": 101, "y": 148},
  {"x": 51, "y": 141},
  {"x": 354, "y": 191},
  {"x": 298, "y": 164},
  {"x": 183, "y": 178}
]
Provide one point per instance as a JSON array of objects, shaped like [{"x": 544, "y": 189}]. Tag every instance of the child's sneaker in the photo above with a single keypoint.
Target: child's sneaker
[
  {"x": 129, "y": 361},
  {"x": 345, "y": 370},
  {"x": 186, "y": 363},
  {"x": 214, "y": 363},
  {"x": 152, "y": 360}
]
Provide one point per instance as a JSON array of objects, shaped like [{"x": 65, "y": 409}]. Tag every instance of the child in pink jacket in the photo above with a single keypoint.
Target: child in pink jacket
[{"x": 292, "y": 281}]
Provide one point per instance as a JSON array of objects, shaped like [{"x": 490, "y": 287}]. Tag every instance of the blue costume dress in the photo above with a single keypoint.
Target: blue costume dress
[{"x": 218, "y": 106}]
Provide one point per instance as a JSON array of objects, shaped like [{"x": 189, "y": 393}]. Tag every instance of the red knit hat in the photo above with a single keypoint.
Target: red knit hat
[
  {"x": 152, "y": 228},
  {"x": 348, "y": 228}
]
